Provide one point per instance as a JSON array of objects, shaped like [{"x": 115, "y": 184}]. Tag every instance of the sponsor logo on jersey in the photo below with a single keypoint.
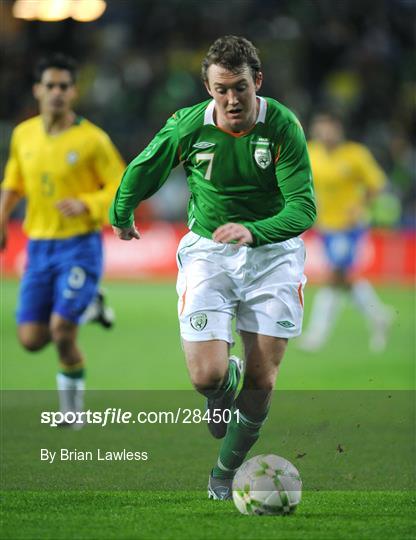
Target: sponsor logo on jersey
[
  {"x": 72, "y": 157},
  {"x": 199, "y": 321},
  {"x": 286, "y": 324},
  {"x": 261, "y": 141},
  {"x": 202, "y": 145},
  {"x": 262, "y": 156}
]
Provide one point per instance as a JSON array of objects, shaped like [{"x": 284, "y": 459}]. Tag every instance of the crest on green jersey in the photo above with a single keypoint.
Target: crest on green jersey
[
  {"x": 199, "y": 321},
  {"x": 263, "y": 156}
]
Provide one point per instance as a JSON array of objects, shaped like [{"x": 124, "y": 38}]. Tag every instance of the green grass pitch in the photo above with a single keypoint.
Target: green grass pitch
[{"x": 143, "y": 352}]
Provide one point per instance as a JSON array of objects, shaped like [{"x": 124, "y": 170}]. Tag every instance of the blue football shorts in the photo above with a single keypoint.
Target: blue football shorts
[
  {"x": 341, "y": 247},
  {"x": 61, "y": 276}
]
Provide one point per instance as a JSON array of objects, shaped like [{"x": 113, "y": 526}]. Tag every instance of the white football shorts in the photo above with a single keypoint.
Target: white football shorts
[{"x": 262, "y": 287}]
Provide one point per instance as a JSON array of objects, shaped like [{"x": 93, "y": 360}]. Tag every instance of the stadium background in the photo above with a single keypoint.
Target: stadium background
[{"x": 138, "y": 63}]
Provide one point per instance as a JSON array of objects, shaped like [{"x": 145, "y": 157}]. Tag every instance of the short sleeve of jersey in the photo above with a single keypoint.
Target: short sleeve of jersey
[
  {"x": 108, "y": 167},
  {"x": 369, "y": 170},
  {"x": 146, "y": 174},
  {"x": 294, "y": 179},
  {"x": 13, "y": 180},
  {"x": 108, "y": 164}
]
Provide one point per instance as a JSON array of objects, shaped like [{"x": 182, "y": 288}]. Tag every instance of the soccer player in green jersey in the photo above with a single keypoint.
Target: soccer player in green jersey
[{"x": 250, "y": 180}]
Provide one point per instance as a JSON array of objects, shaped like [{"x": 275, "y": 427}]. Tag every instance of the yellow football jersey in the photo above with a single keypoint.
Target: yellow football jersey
[
  {"x": 81, "y": 162},
  {"x": 343, "y": 179}
]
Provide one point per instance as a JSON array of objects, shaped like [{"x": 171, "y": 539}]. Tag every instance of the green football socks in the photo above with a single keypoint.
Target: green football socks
[{"x": 241, "y": 435}]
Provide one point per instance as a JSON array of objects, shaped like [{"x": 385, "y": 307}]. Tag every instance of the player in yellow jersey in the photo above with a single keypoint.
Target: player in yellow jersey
[
  {"x": 346, "y": 178},
  {"x": 68, "y": 170}
]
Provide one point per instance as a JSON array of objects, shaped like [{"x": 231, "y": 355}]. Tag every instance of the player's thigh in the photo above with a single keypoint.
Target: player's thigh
[
  {"x": 75, "y": 287},
  {"x": 78, "y": 270},
  {"x": 33, "y": 336},
  {"x": 272, "y": 301},
  {"x": 206, "y": 292},
  {"x": 35, "y": 297},
  {"x": 207, "y": 361}
]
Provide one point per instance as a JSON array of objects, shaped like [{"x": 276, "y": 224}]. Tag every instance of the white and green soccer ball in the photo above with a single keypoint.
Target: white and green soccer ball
[{"x": 267, "y": 485}]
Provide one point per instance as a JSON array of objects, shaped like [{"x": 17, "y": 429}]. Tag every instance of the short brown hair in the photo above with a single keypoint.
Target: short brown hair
[{"x": 232, "y": 53}]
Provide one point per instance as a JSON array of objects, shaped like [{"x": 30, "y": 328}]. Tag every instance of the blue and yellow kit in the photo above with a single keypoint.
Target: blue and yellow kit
[
  {"x": 65, "y": 257},
  {"x": 343, "y": 179},
  {"x": 80, "y": 162}
]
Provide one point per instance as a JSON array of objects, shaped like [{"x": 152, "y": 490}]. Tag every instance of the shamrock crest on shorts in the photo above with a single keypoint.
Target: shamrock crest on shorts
[{"x": 199, "y": 321}]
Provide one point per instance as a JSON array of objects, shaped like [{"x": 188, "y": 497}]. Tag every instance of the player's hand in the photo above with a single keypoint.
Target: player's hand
[
  {"x": 233, "y": 232},
  {"x": 71, "y": 207},
  {"x": 127, "y": 233}
]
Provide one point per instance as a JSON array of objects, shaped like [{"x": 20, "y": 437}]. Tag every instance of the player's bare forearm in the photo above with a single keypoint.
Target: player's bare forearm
[
  {"x": 233, "y": 232},
  {"x": 72, "y": 207},
  {"x": 127, "y": 233},
  {"x": 8, "y": 201}
]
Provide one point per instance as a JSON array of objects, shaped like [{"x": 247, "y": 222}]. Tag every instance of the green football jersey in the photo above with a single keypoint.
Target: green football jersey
[{"x": 261, "y": 178}]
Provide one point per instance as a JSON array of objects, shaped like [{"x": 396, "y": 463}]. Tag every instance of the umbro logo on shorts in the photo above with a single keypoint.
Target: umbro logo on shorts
[
  {"x": 286, "y": 324},
  {"x": 199, "y": 321}
]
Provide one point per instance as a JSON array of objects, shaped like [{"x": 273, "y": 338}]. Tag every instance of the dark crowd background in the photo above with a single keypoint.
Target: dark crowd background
[{"x": 141, "y": 61}]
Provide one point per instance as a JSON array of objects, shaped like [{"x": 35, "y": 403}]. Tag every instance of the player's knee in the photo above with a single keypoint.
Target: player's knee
[
  {"x": 32, "y": 341},
  {"x": 63, "y": 337},
  {"x": 260, "y": 382},
  {"x": 63, "y": 343},
  {"x": 31, "y": 344},
  {"x": 204, "y": 379}
]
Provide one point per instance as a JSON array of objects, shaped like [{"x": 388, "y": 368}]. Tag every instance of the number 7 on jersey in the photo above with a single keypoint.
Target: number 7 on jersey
[{"x": 206, "y": 156}]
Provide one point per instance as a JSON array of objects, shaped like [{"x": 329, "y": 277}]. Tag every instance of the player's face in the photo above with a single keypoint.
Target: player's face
[
  {"x": 326, "y": 130},
  {"x": 235, "y": 97},
  {"x": 55, "y": 92}
]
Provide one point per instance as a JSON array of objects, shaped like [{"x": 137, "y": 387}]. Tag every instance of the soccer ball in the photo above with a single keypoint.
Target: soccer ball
[{"x": 267, "y": 485}]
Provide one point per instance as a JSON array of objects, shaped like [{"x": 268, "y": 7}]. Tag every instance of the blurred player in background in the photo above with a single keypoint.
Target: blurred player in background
[
  {"x": 346, "y": 178},
  {"x": 68, "y": 170},
  {"x": 251, "y": 196}
]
